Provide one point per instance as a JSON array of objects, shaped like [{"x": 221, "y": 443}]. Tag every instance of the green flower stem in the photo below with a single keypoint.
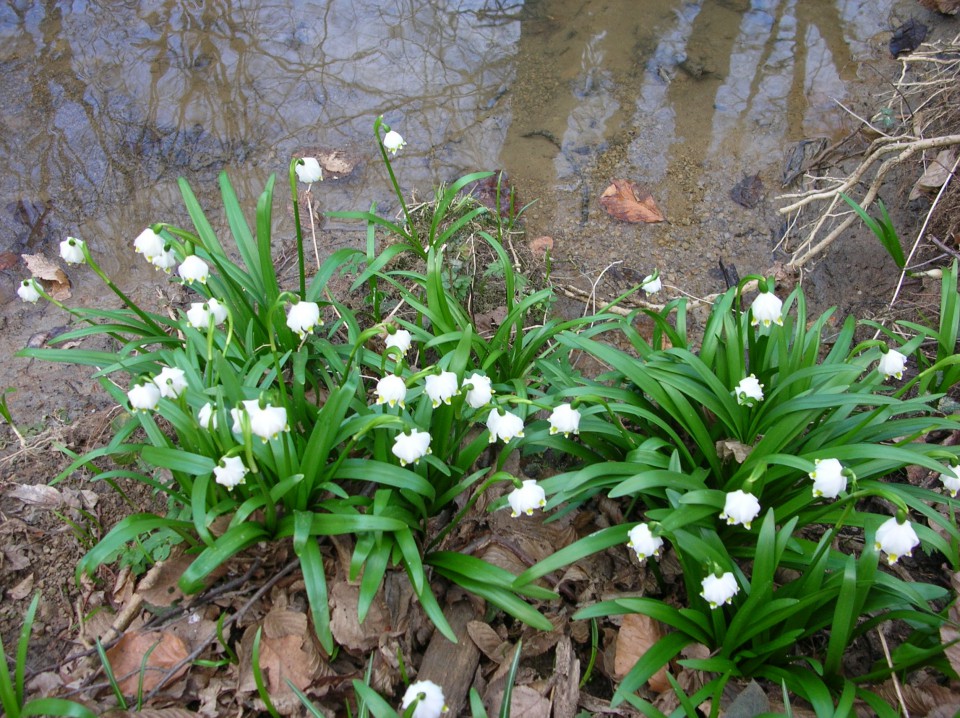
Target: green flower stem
[
  {"x": 365, "y": 335},
  {"x": 116, "y": 290},
  {"x": 269, "y": 506},
  {"x": 301, "y": 267},
  {"x": 497, "y": 477},
  {"x": 281, "y": 299},
  {"x": 852, "y": 498},
  {"x": 417, "y": 245}
]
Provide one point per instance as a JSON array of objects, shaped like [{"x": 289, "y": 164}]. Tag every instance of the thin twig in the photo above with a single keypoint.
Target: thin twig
[{"x": 893, "y": 674}]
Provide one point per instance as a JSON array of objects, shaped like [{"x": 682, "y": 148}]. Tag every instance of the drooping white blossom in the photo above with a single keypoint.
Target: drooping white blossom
[
  {"x": 441, "y": 387},
  {"x": 505, "y": 426},
  {"x": 643, "y": 542},
  {"x": 896, "y": 539},
  {"x": 718, "y": 590},
  {"x": 391, "y": 390},
  {"x": 393, "y": 142},
  {"x": 749, "y": 391},
  {"x": 230, "y": 472},
  {"x": 412, "y": 447},
  {"x": 28, "y": 292},
  {"x": 200, "y": 313},
  {"x": 401, "y": 339},
  {"x": 480, "y": 392},
  {"x": 951, "y": 480},
  {"x": 207, "y": 417},
  {"x": 740, "y": 508},
  {"x": 303, "y": 316},
  {"x": 144, "y": 397},
  {"x": 429, "y": 698},
  {"x": 767, "y": 309},
  {"x": 309, "y": 170},
  {"x": 149, "y": 244},
  {"x": 892, "y": 363},
  {"x": 828, "y": 478},
  {"x": 193, "y": 269},
  {"x": 171, "y": 381},
  {"x": 564, "y": 420},
  {"x": 651, "y": 284},
  {"x": 266, "y": 422},
  {"x": 528, "y": 497},
  {"x": 71, "y": 251},
  {"x": 165, "y": 260}
]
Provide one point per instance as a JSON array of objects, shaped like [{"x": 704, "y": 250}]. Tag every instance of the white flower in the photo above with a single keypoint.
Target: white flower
[
  {"x": 565, "y": 419},
  {"x": 149, "y": 244},
  {"x": 651, "y": 284},
  {"x": 171, "y": 382},
  {"x": 71, "y": 250},
  {"x": 828, "y": 478},
  {"x": 266, "y": 423},
  {"x": 896, "y": 539},
  {"x": 207, "y": 417},
  {"x": 951, "y": 480},
  {"x": 412, "y": 447},
  {"x": 429, "y": 698},
  {"x": 892, "y": 364},
  {"x": 28, "y": 291},
  {"x": 193, "y": 269},
  {"x": 749, "y": 391},
  {"x": 719, "y": 590},
  {"x": 400, "y": 339},
  {"x": 441, "y": 387},
  {"x": 644, "y": 542},
  {"x": 144, "y": 397},
  {"x": 480, "y": 392},
  {"x": 199, "y": 314},
  {"x": 740, "y": 508},
  {"x": 165, "y": 260},
  {"x": 302, "y": 317},
  {"x": 504, "y": 427},
  {"x": 766, "y": 309},
  {"x": 392, "y": 141},
  {"x": 230, "y": 472},
  {"x": 309, "y": 170},
  {"x": 391, "y": 390},
  {"x": 528, "y": 497}
]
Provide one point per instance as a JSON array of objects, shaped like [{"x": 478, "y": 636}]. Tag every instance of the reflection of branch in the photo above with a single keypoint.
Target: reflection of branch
[{"x": 905, "y": 148}]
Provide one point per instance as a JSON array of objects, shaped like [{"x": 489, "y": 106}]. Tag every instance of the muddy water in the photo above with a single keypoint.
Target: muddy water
[{"x": 103, "y": 104}]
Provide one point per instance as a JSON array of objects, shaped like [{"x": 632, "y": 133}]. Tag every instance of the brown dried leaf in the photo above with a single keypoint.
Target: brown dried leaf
[
  {"x": 637, "y": 634},
  {"x": 948, "y": 634},
  {"x": 40, "y": 495},
  {"x": 488, "y": 641},
  {"x": 22, "y": 589},
  {"x": 55, "y": 282},
  {"x": 541, "y": 245},
  {"x": 624, "y": 200},
  {"x": 159, "y": 586},
  {"x": 345, "y": 625},
  {"x": 730, "y": 449},
  {"x": 126, "y": 658}
]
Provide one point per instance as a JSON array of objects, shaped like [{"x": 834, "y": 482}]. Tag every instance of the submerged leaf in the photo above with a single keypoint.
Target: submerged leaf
[{"x": 624, "y": 200}]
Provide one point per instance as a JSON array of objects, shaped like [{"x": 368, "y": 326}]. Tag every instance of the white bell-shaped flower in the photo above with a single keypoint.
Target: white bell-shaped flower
[
  {"x": 429, "y": 698},
  {"x": 740, "y": 508},
  {"x": 193, "y": 269},
  {"x": 480, "y": 392},
  {"x": 767, "y": 309},
  {"x": 171, "y": 381},
  {"x": 565, "y": 420},
  {"x": 200, "y": 313},
  {"x": 144, "y": 397},
  {"x": 71, "y": 251},
  {"x": 718, "y": 590},
  {"x": 302, "y": 317},
  {"x": 165, "y": 260},
  {"x": 391, "y": 390},
  {"x": 643, "y": 542},
  {"x": 749, "y": 391},
  {"x": 441, "y": 387},
  {"x": 412, "y": 447},
  {"x": 892, "y": 363},
  {"x": 896, "y": 539},
  {"x": 505, "y": 426},
  {"x": 27, "y": 291},
  {"x": 230, "y": 472},
  {"x": 528, "y": 497},
  {"x": 207, "y": 417},
  {"x": 309, "y": 170},
  {"x": 828, "y": 478},
  {"x": 149, "y": 244},
  {"x": 392, "y": 141},
  {"x": 218, "y": 311},
  {"x": 951, "y": 480},
  {"x": 401, "y": 339},
  {"x": 267, "y": 423},
  {"x": 651, "y": 284}
]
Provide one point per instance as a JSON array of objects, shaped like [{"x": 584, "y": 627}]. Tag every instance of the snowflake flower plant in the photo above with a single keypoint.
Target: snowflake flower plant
[
  {"x": 740, "y": 507},
  {"x": 528, "y": 497},
  {"x": 504, "y": 425},
  {"x": 429, "y": 700},
  {"x": 441, "y": 387},
  {"x": 391, "y": 390},
  {"x": 644, "y": 542},
  {"x": 719, "y": 589},
  {"x": 892, "y": 363},
  {"x": 71, "y": 250},
  {"x": 896, "y": 538},
  {"x": 412, "y": 447},
  {"x": 565, "y": 420}
]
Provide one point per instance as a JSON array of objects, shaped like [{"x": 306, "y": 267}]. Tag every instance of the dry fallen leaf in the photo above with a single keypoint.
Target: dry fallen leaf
[
  {"x": 54, "y": 280},
  {"x": 541, "y": 245},
  {"x": 40, "y": 495},
  {"x": 637, "y": 634},
  {"x": 126, "y": 658},
  {"x": 624, "y": 200},
  {"x": 22, "y": 589},
  {"x": 948, "y": 634},
  {"x": 730, "y": 449},
  {"x": 936, "y": 174}
]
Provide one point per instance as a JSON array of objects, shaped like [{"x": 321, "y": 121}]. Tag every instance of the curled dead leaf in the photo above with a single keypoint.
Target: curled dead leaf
[
  {"x": 127, "y": 659},
  {"x": 625, "y": 200},
  {"x": 53, "y": 279},
  {"x": 637, "y": 635}
]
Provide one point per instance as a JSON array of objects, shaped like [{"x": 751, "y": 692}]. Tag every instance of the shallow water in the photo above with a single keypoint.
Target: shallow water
[{"x": 105, "y": 104}]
